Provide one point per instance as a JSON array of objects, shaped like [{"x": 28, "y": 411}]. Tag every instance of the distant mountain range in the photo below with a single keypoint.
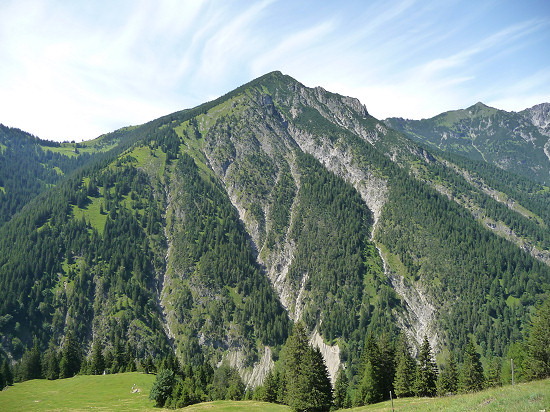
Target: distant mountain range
[
  {"x": 517, "y": 142},
  {"x": 209, "y": 231}
]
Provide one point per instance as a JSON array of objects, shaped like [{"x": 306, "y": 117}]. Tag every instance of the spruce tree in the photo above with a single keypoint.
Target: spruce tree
[
  {"x": 426, "y": 372},
  {"x": 270, "y": 388},
  {"x": 316, "y": 389},
  {"x": 32, "y": 363},
  {"x": 7, "y": 372},
  {"x": 97, "y": 365},
  {"x": 51, "y": 362},
  {"x": 162, "y": 387},
  {"x": 405, "y": 373},
  {"x": 296, "y": 348},
  {"x": 70, "y": 362},
  {"x": 538, "y": 344},
  {"x": 119, "y": 357},
  {"x": 387, "y": 365},
  {"x": 369, "y": 387},
  {"x": 3, "y": 383},
  {"x": 341, "y": 396},
  {"x": 447, "y": 382},
  {"x": 471, "y": 378},
  {"x": 494, "y": 366}
]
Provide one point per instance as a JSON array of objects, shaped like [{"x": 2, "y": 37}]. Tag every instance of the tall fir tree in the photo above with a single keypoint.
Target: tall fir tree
[
  {"x": 7, "y": 372},
  {"x": 492, "y": 374},
  {"x": 426, "y": 372},
  {"x": 314, "y": 382},
  {"x": 97, "y": 364},
  {"x": 3, "y": 383},
  {"x": 71, "y": 357},
  {"x": 447, "y": 381},
  {"x": 538, "y": 344},
  {"x": 387, "y": 365},
  {"x": 296, "y": 349},
  {"x": 471, "y": 378},
  {"x": 369, "y": 387},
  {"x": 405, "y": 373},
  {"x": 342, "y": 399},
  {"x": 51, "y": 362},
  {"x": 31, "y": 364},
  {"x": 270, "y": 388}
]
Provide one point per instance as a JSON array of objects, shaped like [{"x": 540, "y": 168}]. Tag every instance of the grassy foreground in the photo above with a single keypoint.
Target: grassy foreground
[
  {"x": 130, "y": 391},
  {"x": 101, "y": 392},
  {"x": 532, "y": 396}
]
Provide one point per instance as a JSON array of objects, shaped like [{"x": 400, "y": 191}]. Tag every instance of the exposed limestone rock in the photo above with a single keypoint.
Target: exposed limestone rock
[
  {"x": 254, "y": 376},
  {"x": 417, "y": 321},
  {"x": 260, "y": 370},
  {"x": 331, "y": 355},
  {"x": 373, "y": 189}
]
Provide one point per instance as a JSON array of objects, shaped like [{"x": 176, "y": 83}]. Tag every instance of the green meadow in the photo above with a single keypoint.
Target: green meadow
[{"x": 130, "y": 392}]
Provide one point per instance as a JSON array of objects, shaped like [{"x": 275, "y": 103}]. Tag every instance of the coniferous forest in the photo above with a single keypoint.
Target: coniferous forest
[{"x": 217, "y": 246}]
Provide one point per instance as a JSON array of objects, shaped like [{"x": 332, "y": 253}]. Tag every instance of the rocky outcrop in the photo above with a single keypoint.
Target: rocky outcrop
[
  {"x": 254, "y": 376},
  {"x": 331, "y": 355}
]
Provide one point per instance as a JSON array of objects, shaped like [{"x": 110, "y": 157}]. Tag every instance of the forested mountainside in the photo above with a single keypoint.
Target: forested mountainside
[
  {"x": 517, "y": 142},
  {"x": 209, "y": 231},
  {"x": 27, "y": 168}
]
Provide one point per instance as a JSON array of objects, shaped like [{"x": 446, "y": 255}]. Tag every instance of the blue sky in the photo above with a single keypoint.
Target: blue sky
[{"x": 77, "y": 69}]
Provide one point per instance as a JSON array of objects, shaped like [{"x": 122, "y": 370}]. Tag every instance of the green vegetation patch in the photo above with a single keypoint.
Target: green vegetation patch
[
  {"x": 92, "y": 213},
  {"x": 125, "y": 391},
  {"x": 234, "y": 406},
  {"x": 533, "y": 396}
]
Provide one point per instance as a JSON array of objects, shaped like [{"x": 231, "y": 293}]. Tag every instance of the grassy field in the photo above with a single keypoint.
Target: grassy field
[
  {"x": 130, "y": 392},
  {"x": 101, "y": 393},
  {"x": 533, "y": 396}
]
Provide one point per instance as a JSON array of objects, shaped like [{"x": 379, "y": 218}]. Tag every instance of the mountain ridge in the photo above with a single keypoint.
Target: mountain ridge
[{"x": 273, "y": 202}]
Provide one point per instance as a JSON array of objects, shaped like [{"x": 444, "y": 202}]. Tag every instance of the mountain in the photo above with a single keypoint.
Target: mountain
[
  {"x": 517, "y": 142},
  {"x": 30, "y": 165},
  {"x": 208, "y": 231}
]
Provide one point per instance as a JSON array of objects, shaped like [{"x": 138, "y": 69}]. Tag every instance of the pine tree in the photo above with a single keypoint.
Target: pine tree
[
  {"x": 162, "y": 387},
  {"x": 369, "y": 387},
  {"x": 314, "y": 383},
  {"x": 97, "y": 365},
  {"x": 387, "y": 365},
  {"x": 3, "y": 383},
  {"x": 426, "y": 372},
  {"x": 270, "y": 388},
  {"x": 341, "y": 397},
  {"x": 405, "y": 373},
  {"x": 296, "y": 348},
  {"x": 51, "y": 362},
  {"x": 7, "y": 372},
  {"x": 70, "y": 362},
  {"x": 538, "y": 344},
  {"x": 494, "y": 366},
  {"x": 31, "y": 363},
  {"x": 447, "y": 382},
  {"x": 471, "y": 378}
]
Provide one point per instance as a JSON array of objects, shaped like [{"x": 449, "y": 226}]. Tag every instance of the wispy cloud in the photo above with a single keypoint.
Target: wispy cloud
[{"x": 79, "y": 69}]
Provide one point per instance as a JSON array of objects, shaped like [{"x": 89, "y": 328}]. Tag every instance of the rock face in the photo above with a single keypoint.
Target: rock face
[
  {"x": 278, "y": 203},
  {"x": 517, "y": 142},
  {"x": 252, "y": 142},
  {"x": 539, "y": 115},
  {"x": 331, "y": 355}
]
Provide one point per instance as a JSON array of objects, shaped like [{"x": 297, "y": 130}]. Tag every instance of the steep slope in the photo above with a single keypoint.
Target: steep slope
[
  {"x": 513, "y": 141},
  {"x": 29, "y": 166},
  {"x": 209, "y": 230}
]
